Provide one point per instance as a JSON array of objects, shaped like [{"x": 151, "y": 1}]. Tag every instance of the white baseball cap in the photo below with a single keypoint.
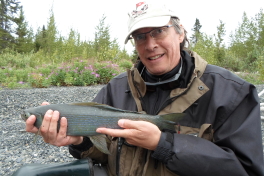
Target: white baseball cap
[{"x": 148, "y": 15}]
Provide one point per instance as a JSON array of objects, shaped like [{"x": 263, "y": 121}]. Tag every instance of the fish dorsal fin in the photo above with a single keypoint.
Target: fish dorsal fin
[{"x": 172, "y": 118}]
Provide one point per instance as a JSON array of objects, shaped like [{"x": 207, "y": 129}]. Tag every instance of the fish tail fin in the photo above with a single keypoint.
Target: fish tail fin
[{"x": 172, "y": 118}]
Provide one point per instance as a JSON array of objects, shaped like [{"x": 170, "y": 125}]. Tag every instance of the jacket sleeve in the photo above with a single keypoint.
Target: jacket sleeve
[
  {"x": 76, "y": 150},
  {"x": 237, "y": 148}
]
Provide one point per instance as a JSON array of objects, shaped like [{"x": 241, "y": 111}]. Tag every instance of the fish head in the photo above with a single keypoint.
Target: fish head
[
  {"x": 28, "y": 112},
  {"x": 25, "y": 115}
]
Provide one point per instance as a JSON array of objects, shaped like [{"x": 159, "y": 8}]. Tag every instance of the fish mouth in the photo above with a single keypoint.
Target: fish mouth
[{"x": 23, "y": 117}]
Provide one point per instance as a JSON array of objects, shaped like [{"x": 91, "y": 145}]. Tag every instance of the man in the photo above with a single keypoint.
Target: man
[{"x": 220, "y": 135}]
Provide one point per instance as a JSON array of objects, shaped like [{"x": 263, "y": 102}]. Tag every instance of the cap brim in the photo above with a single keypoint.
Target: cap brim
[{"x": 149, "y": 22}]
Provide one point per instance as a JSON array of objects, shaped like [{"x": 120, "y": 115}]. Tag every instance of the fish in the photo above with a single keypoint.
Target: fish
[{"x": 85, "y": 117}]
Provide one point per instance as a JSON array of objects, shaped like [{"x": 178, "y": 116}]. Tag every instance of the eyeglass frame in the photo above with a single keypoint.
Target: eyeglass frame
[{"x": 167, "y": 26}]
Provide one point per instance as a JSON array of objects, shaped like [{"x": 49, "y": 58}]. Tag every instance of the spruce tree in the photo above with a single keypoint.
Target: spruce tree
[
  {"x": 219, "y": 38},
  {"x": 23, "y": 42},
  {"x": 197, "y": 33},
  {"x": 8, "y": 12},
  {"x": 51, "y": 35},
  {"x": 244, "y": 37},
  {"x": 40, "y": 38},
  {"x": 102, "y": 38},
  {"x": 104, "y": 47}
]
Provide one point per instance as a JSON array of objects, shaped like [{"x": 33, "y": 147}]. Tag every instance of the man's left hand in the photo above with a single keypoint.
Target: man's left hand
[{"x": 138, "y": 133}]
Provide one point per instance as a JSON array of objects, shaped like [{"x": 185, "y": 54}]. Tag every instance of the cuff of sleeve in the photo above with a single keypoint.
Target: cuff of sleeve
[
  {"x": 85, "y": 145},
  {"x": 163, "y": 151}
]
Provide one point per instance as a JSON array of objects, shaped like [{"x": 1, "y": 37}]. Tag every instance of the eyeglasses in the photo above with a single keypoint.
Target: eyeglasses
[{"x": 158, "y": 33}]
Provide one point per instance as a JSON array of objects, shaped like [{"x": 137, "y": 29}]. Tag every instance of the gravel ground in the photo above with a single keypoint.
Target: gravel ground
[{"x": 17, "y": 147}]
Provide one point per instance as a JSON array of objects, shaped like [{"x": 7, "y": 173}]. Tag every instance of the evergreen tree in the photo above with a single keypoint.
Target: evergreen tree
[
  {"x": 8, "y": 10},
  {"x": 259, "y": 22},
  {"x": 71, "y": 44},
  {"x": 247, "y": 41},
  {"x": 196, "y": 29},
  {"x": 41, "y": 38},
  {"x": 244, "y": 38},
  {"x": 102, "y": 36},
  {"x": 219, "y": 38},
  {"x": 24, "y": 36},
  {"x": 205, "y": 47},
  {"x": 51, "y": 35},
  {"x": 134, "y": 56},
  {"x": 103, "y": 43}
]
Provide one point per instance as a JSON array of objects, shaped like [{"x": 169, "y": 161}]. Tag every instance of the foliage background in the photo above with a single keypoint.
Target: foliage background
[{"x": 46, "y": 58}]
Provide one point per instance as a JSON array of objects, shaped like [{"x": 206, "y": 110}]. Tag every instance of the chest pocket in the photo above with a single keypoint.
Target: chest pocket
[{"x": 205, "y": 131}]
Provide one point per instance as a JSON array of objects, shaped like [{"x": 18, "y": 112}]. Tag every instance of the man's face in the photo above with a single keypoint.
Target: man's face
[{"x": 160, "y": 55}]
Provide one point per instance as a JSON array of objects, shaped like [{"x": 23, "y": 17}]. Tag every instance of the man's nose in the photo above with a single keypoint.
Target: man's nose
[{"x": 150, "y": 43}]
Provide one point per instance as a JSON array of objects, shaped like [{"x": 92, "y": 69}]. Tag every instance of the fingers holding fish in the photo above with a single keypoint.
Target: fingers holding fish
[
  {"x": 141, "y": 133},
  {"x": 51, "y": 134},
  {"x": 49, "y": 126},
  {"x": 49, "y": 129},
  {"x": 30, "y": 127},
  {"x": 44, "y": 128},
  {"x": 63, "y": 128},
  {"x": 138, "y": 133},
  {"x": 61, "y": 138},
  {"x": 53, "y": 125},
  {"x": 30, "y": 124}
]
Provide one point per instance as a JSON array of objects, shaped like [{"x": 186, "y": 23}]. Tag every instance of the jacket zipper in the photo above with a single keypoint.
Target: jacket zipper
[
  {"x": 156, "y": 103},
  {"x": 119, "y": 147}
]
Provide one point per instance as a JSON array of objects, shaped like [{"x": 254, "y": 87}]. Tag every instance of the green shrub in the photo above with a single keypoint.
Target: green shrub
[
  {"x": 106, "y": 71},
  {"x": 35, "y": 79},
  {"x": 88, "y": 77},
  {"x": 69, "y": 80},
  {"x": 78, "y": 81},
  {"x": 125, "y": 64}
]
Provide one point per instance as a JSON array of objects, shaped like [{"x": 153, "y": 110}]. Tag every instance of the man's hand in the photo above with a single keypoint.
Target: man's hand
[
  {"x": 138, "y": 133},
  {"x": 48, "y": 129}
]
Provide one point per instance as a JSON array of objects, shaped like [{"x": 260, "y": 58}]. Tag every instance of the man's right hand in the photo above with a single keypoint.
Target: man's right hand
[{"x": 48, "y": 129}]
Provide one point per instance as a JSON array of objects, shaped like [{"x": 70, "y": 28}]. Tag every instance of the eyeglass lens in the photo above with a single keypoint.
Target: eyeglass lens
[{"x": 155, "y": 34}]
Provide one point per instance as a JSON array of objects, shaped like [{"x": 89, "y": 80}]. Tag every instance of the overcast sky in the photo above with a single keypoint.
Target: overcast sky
[{"x": 83, "y": 15}]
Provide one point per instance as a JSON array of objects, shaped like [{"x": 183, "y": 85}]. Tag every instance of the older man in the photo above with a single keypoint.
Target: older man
[{"x": 220, "y": 134}]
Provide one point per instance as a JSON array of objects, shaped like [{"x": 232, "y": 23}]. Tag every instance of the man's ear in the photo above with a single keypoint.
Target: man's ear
[{"x": 181, "y": 37}]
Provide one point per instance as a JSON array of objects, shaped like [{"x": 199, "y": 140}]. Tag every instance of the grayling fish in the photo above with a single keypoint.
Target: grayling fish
[{"x": 84, "y": 118}]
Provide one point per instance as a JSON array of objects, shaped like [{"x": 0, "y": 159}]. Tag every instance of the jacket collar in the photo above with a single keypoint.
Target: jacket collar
[{"x": 138, "y": 87}]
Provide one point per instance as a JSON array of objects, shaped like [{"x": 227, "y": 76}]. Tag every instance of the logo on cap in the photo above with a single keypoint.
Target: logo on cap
[{"x": 141, "y": 8}]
